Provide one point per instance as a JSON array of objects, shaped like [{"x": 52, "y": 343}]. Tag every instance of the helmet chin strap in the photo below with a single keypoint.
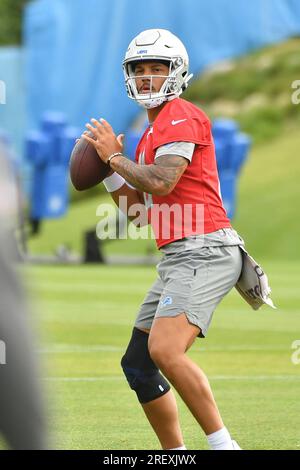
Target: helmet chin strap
[{"x": 155, "y": 102}]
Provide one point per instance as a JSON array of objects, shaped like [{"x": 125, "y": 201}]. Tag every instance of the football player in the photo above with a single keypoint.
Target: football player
[{"x": 175, "y": 181}]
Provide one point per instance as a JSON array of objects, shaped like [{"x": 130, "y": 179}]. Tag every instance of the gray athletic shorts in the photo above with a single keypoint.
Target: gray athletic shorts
[{"x": 192, "y": 282}]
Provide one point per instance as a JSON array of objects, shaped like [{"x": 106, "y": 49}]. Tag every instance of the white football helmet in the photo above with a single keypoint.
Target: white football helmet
[{"x": 162, "y": 46}]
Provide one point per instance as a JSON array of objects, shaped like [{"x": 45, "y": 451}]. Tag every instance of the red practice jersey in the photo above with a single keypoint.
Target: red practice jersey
[{"x": 195, "y": 205}]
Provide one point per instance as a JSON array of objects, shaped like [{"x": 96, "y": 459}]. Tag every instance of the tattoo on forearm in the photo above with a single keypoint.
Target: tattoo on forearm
[{"x": 160, "y": 177}]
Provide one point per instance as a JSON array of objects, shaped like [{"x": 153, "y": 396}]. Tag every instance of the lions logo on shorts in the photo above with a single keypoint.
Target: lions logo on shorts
[{"x": 167, "y": 301}]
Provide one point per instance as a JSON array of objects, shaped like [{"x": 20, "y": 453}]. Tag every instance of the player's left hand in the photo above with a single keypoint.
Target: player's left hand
[{"x": 104, "y": 139}]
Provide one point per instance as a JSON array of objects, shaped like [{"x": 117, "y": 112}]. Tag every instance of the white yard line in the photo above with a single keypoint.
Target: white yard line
[
  {"x": 80, "y": 348},
  {"x": 211, "y": 377}
]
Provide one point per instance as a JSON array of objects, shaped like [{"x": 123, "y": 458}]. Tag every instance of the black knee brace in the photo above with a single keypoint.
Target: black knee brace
[{"x": 142, "y": 374}]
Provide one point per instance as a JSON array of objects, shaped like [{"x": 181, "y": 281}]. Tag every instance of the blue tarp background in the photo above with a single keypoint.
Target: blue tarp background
[{"x": 73, "y": 50}]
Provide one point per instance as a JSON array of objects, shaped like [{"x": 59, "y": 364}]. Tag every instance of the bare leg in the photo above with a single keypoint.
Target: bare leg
[
  {"x": 168, "y": 341},
  {"x": 162, "y": 414}
]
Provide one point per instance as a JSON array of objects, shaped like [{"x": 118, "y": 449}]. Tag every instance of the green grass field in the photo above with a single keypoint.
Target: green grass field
[{"x": 85, "y": 317}]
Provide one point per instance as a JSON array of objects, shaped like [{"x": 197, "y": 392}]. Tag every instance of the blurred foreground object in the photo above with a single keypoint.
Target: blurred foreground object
[
  {"x": 12, "y": 204},
  {"x": 21, "y": 410}
]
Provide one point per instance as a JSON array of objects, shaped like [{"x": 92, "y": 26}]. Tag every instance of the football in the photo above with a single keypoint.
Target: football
[{"x": 86, "y": 167}]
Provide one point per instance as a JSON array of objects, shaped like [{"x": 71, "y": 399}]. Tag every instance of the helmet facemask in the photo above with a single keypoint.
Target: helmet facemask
[{"x": 174, "y": 84}]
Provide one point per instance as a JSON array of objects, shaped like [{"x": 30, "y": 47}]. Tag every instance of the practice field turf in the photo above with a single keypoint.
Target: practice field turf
[{"x": 85, "y": 317}]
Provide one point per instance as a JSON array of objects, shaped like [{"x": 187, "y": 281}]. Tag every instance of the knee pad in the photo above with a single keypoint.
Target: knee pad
[{"x": 142, "y": 374}]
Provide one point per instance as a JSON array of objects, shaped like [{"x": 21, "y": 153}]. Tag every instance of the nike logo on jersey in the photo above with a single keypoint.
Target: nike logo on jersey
[{"x": 177, "y": 122}]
